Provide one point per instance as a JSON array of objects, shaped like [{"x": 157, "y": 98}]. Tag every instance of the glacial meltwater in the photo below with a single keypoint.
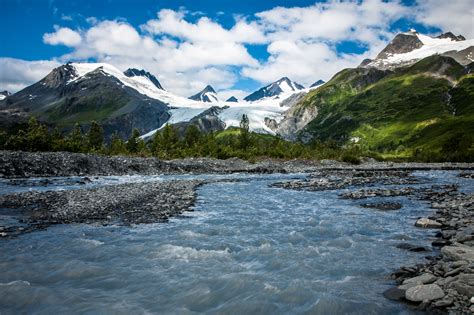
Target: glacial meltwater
[{"x": 247, "y": 248}]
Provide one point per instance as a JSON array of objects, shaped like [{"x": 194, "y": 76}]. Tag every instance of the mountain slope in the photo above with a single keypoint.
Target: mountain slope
[
  {"x": 284, "y": 85},
  {"x": 414, "y": 111},
  {"x": 71, "y": 93}
]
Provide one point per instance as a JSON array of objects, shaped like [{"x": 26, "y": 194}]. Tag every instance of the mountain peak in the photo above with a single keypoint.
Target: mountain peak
[
  {"x": 208, "y": 95},
  {"x": 133, "y": 72},
  {"x": 283, "y": 85},
  {"x": 4, "y": 94},
  {"x": 451, "y": 36},
  {"x": 317, "y": 83},
  {"x": 232, "y": 99},
  {"x": 407, "y": 48}
]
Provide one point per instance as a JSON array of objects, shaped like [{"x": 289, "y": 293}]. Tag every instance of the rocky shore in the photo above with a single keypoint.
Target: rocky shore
[
  {"x": 123, "y": 204},
  {"x": 18, "y": 164},
  {"x": 445, "y": 282}
]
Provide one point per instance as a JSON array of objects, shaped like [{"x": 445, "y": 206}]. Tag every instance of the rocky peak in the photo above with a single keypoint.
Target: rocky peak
[
  {"x": 401, "y": 43},
  {"x": 232, "y": 99},
  {"x": 208, "y": 95},
  {"x": 283, "y": 85},
  {"x": 317, "y": 83},
  {"x": 132, "y": 72},
  {"x": 60, "y": 76},
  {"x": 452, "y": 36}
]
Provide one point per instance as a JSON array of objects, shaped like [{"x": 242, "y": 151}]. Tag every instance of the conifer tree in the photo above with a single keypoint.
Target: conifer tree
[{"x": 95, "y": 136}]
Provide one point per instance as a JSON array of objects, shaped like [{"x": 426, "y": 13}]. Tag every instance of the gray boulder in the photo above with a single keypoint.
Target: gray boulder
[{"x": 424, "y": 292}]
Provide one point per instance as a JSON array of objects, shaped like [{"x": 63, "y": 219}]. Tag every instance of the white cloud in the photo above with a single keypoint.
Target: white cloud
[
  {"x": 301, "y": 42},
  {"x": 16, "y": 74},
  {"x": 456, "y": 16},
  {"x": 63, "y": 36}
]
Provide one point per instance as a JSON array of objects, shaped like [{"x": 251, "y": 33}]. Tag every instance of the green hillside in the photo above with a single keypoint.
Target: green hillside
[{"x": 425, "y": 111}]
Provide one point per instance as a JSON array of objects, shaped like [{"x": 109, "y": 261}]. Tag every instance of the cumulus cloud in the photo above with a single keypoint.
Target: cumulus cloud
[
  {"x": 16, "y": 74},
  {"x": 63, "y": 36},
  {"x": 302, "y": 42},
  {"x": 456, "y": 16}
]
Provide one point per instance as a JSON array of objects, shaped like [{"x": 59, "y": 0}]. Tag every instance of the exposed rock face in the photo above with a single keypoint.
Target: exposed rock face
[
  {"x": 274, "y": 89},
  {"x": 132, "y": 72},
  {"x": 208, "y": 95},
  {"x": 58, "y": 98},
  {"x": 296, "y": 117},
  {"x": 207, "y": 121},
  {"x": 401, "y": 43}
]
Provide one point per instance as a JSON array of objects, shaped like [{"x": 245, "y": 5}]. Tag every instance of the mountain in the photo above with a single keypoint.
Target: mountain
[
  {"x": 80, "y": 93},
  {"x": 317, "y": 83},
  {"x": 284, "y": 85},
  {"x": 4, "y": 95},
  {"x": 422, "y": 108},
  {"x": 408, "y": 48},
  {"x": 232, "y": 99},
  {"x": 132, "y": 72},
  {"x": 207, "y": 95}
]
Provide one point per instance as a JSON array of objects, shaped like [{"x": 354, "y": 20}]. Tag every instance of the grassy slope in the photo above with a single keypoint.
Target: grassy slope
[{"x": 403, "y": 113}]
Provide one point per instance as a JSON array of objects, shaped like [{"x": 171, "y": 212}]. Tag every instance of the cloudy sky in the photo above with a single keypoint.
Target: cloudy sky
[{"x": 236, "y": 46}]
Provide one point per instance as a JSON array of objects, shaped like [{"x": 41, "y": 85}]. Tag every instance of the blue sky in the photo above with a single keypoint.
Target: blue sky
[{"x": 237, "y": 46}]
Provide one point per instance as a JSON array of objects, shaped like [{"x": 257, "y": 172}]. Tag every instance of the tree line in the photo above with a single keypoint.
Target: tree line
[{"x": 167, "y": 143}]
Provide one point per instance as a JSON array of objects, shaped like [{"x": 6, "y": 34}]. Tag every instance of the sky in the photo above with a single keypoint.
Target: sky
[{"x": 236, "y": 46}]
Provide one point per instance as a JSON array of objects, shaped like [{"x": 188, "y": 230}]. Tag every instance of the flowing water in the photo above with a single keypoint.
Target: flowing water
[{"x": 247, "y": 248}]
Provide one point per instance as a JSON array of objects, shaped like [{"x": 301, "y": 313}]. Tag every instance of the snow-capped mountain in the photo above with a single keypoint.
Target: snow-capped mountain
[
  {"x": 316, "y": 84},
  {"x": 407, "y": 48},
  {"x": 132, "y": 72},
  {"x": 4, "y": 94},
  {"x": 232, "y": 99},
  {"x": 207, "y": 95},
  {"x": 284, "y": 85}
]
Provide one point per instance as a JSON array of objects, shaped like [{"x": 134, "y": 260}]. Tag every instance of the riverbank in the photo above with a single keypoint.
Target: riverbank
[
  {"x": 442, "y": 283},
  {"x": 19, "y": 164}
]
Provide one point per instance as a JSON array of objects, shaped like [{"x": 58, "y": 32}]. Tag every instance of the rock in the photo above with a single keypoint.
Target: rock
[
  {"x": 465, "y": 284},
  {"x": 383, "y": 206},
  {"x": 444, "y": 302},
  {"x": 423, "y": 279},
  {"x": 424, "y": 292},
  {"x": 411, "y": 247},
  {"x": 394, "y": 294},
  {"x": 458, "y": 252},
  {"x": 428, "y": 223}
]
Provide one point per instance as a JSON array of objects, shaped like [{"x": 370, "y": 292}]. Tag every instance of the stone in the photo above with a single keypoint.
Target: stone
[
  {"x": 394, "y": 294},
  {"x": 424, "y": 292},
  {"x": 458, "y": 252},
  {"x": 422, "y": 279},
  {"x": 444, "y": 302},
  {"x": 411, "y": 247},
  {"x": 465, "y": 284},
  {"x": 428, "y": 223}
]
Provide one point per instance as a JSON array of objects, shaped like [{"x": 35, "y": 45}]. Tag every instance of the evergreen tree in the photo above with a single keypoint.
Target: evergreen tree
[
  {"x": 95, "y": 136},
  {"x": 117, "y": 145},
  {"x": 37, "y": 136},
  {"x": 192, "y": 135},
  {"x": 133, "y": 141},
  {"x": 244, "y": 138},
  {"x": 76, "y": 141}
]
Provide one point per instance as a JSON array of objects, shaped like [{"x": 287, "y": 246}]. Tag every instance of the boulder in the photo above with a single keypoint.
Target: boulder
[
  {"x": 422, "y": 279},
  {"x": 394, "y": 294},
  {"x": 427, "y": 223},
  {"x": 424, "y": 292},
  {"x": 458, "y": 252}
]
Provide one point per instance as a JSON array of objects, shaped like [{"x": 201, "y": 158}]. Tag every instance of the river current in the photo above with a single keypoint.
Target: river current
[{"x": 246, "y": 248}]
